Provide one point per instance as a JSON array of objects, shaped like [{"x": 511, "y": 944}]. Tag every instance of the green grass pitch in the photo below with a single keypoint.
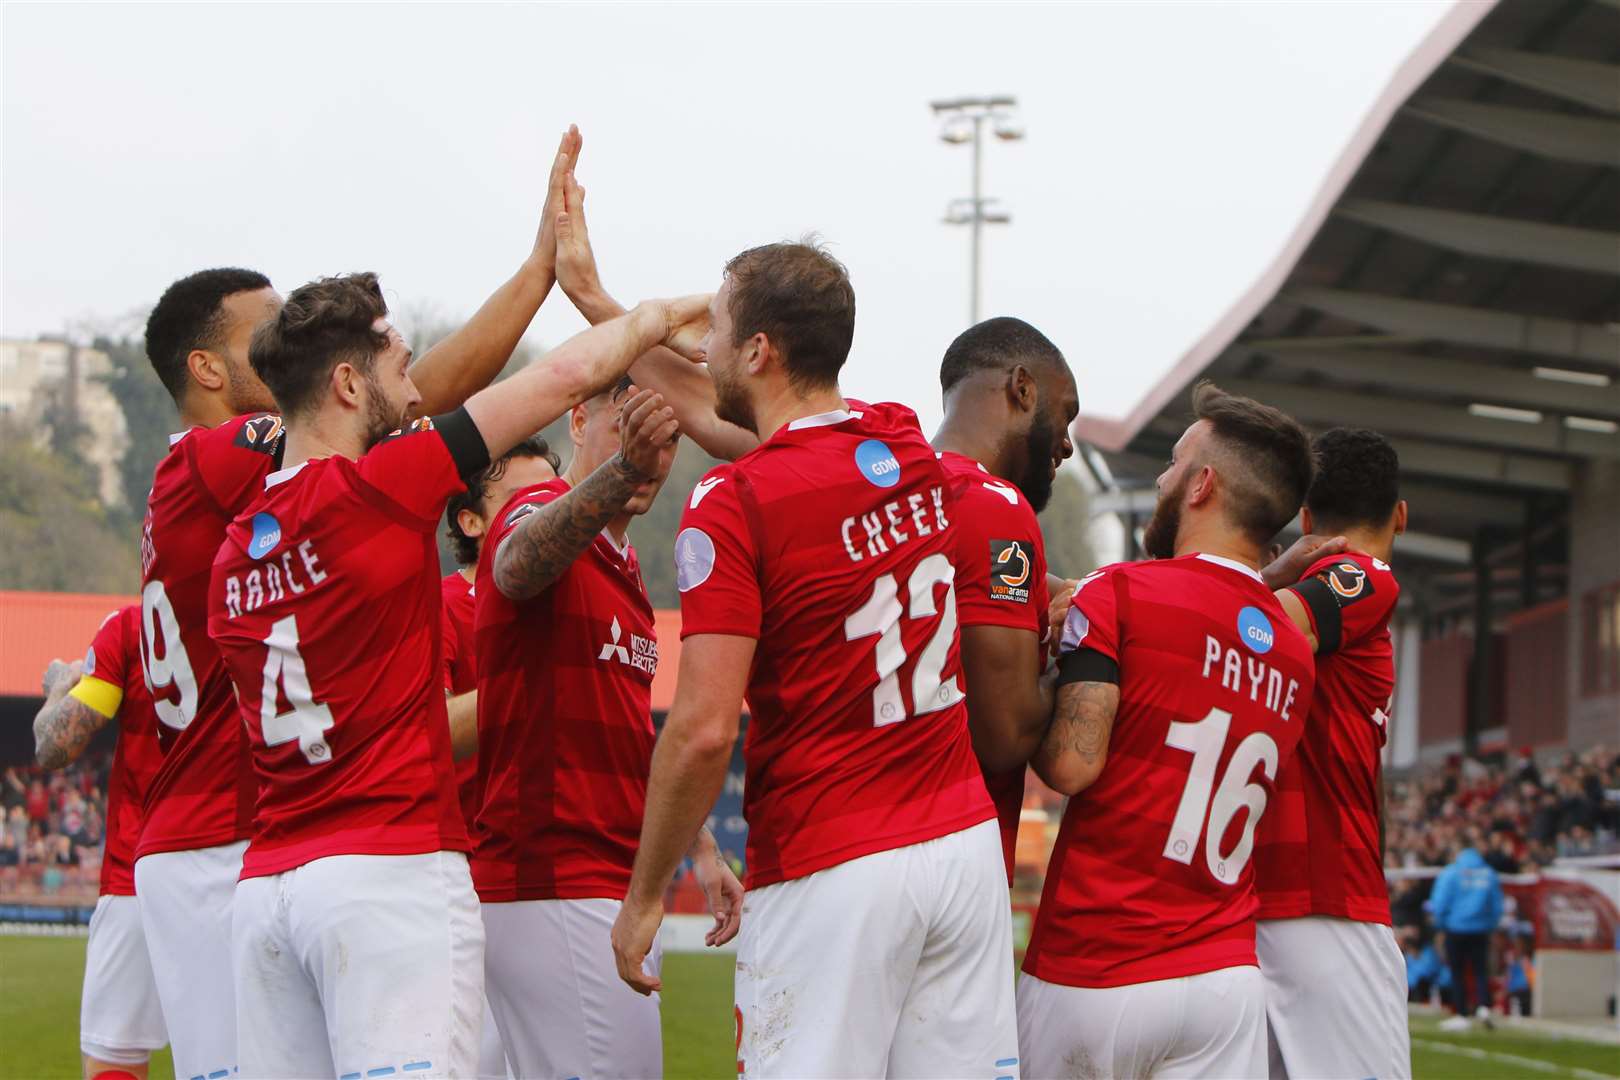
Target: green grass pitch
[{"x": 39, "y": 1010}]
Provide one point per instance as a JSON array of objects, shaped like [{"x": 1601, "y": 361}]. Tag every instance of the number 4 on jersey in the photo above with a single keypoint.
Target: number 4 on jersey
[{"x": 307, "y": 720}]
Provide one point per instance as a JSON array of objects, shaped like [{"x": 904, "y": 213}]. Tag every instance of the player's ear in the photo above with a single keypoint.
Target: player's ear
[
  {"x": 577, "y": 417},
  {"x": 756, "y": 352},
  {"x": 1307, "y": 524},
  {"x": 470, "y": 523},
  {"x": 1202, "y": 488},
  {"x": 207, "y": 369},
  {"x": 1021, "y": 389},
  {"x": 345, "y": 382},
  {"x": 1400, "y": 517}
]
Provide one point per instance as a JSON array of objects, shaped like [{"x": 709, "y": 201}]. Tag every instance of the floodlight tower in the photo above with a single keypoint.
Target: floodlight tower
[{"x": 962, "y": 120}]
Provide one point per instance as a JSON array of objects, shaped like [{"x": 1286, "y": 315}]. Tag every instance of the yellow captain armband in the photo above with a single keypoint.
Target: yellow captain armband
[{"x": 99, "y": 695}]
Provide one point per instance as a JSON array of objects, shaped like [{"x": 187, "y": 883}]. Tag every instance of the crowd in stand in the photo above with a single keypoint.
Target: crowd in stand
[
  {"x": 55, "y": 820},
  {"x": 1520, "y": 815}
]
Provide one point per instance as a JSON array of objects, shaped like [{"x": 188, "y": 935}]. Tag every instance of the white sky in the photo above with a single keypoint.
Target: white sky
[{"x": 1171, "y": 148}]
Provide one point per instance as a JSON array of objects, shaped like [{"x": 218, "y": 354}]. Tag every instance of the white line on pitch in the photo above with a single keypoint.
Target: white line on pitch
[{"x": 1511, "y": 1059}]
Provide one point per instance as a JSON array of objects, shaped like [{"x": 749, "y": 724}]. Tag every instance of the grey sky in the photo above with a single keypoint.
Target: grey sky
[{"x": 1170, "y": 150}]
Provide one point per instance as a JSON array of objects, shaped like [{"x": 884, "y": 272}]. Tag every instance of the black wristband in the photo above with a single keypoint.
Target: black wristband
[
  {"x": 1087, "y": 665},
  {"x": 464, "y": 441},
  {"x": 1324, "y": 605}
]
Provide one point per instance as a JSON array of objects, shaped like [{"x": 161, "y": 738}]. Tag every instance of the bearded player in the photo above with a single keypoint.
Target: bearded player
[
  {"x": 816, "y": 577},
  {"x": 567, "y": 651},
  {"x": 200, "y": 808},
  {"x": 1335, "y": 978},
  {"x": 1009, "y": 398},
  {"x": 468, "y": 516},
  {"x": 356, "y": 934},
  {"x": 120, "y": 1023},
  {"x": 1183, "y": 688}
]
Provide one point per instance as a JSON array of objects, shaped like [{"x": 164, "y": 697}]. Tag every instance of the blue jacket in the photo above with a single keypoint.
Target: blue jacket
[
  {"x": 1467, "y": 898},
  {"x": 1426, "y": 967}
]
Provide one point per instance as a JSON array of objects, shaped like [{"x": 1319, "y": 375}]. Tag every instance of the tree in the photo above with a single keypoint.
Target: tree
[
  {"x": 149, "y": 414},
  {"x": 56, "y": 535}
]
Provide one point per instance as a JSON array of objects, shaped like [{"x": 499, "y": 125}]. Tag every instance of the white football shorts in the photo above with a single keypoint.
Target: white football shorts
[
  {"x": 1335, "y": 999},
  {"x": 894, "y": 964},
  {"x": 360, "y": 965},
  {"x": 557, "y": 996},
  {"x": 1208, "y": 1025},
  {"x": 186, "y": 900},
  {"x": 120, "y": 1020}
]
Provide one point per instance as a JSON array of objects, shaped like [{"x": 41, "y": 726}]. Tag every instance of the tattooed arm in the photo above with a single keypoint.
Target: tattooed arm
[
  {"x": 65, "y": 725},
  {"x": 1071, "y": 756},
  {"x": 544, "y": 544}
]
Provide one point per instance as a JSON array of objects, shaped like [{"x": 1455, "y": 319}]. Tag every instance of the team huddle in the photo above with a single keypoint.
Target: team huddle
[{"x": 365, "y": 821}]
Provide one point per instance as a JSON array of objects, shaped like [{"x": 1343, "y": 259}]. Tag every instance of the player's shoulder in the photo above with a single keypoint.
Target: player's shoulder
[
  {"x": 884, "y": 413},
  {"x": 1355, "y": 575},
  {"x": 722, "y": 485},
  {"x": 981, "y": 493},
  {"x": 453, "y": 586},
  {"x": 525, "y": 501}
]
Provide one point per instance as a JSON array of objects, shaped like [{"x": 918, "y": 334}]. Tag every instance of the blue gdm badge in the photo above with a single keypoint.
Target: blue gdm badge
[
  {"x": 1255, "y": 630},
  {"x": 266, "y": 535},
  {"x": 877, "y": 463}
]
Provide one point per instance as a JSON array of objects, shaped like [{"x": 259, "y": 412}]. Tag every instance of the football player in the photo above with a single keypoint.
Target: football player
[
  {"x": 1335, "y": 977},
  {"x": 816, "y": 576},
  {"x": 1183, "y": 688},
  {"x": 357, "y": 941},
  {"x": 120, "y": 1022}
]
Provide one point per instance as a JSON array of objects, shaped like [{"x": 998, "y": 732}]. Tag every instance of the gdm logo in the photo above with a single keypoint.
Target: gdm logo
[
  {"x": 1255, "y": 630},
  {"x": 266, "y": 535},
  {"x": 877, "y": 463}
]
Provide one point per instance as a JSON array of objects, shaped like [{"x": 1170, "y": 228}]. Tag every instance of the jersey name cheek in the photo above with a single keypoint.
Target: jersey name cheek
[
  {"x": 1246, "y": 674},
  {"x": 274, "y": 580},
  {"x": 873, "y": 533}
]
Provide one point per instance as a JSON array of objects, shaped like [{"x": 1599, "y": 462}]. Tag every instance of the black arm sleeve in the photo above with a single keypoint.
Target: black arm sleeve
[
  {"x": 464, "y": 441},
  {"x": 1087, "y": 665},
  {"x": 1324, "y": 607}
]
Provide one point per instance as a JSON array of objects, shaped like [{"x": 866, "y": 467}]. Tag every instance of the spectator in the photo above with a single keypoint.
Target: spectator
[
  {"x": 38, "y": 802},
  {"x": 1521, "y": 977},
  {"x": 1467, "y": 906}
]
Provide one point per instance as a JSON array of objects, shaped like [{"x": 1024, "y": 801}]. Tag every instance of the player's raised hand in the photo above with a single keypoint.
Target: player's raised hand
[
  {"x": 646, "y": 425},
  {"x": 60, "y": 677},
  {"x": 686, "y": 324},
  {"x": 1285, "y": 568},
  {"x": 576, "y": 261},
  {"x": 545, "y": 241},
  {"x": 633, "y": 934}
]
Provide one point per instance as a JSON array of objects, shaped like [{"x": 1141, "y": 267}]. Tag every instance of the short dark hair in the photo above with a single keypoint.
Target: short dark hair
[
  {"x": 464, "y": 547},
  {"x": 190, "y": 315},
  {"x": 322, "y": 324},
  {"x": 996, "y": 345},
  {"x": 799, "y": 297},
  {"x": 1357, "y": 478},
  {"x": 1272, "y": 455}
]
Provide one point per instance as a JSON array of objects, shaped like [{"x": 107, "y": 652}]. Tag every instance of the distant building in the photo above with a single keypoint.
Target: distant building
[{"x": 36, "y": 374}]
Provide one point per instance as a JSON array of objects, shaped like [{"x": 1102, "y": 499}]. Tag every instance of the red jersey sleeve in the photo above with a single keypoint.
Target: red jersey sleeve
[
  {"x": 1000, "y": 561},
  {"x": 229, "y": 462},
  {"x": 716, "y": 565},
  {"x": 1093, "y": 621},
  {"x": 521, "y": 505},
  {"x": 111, "y": 651},
  {"x": 412, "y": 473},
  {"x": 1348, "y": 597}
]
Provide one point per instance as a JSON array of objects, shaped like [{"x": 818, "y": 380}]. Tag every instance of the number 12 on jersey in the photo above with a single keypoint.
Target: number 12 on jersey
[
  {"x": 881, "y": 614},
  {"x": 307, "y": 720}
]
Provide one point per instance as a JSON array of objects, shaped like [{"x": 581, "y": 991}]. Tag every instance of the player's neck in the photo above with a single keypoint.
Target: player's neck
[
  {"x": 619, "y": 530},
  {"x": 206, "y": 410},
  {"x": 781, "y": 407},
  {"x": 960, "y": 436},
  {"x": 320, "y": 437},
  {"x": 1379, "y": 543},
  {"x": 469, "y": 574},
  {"x": 1216, "y": 538}
]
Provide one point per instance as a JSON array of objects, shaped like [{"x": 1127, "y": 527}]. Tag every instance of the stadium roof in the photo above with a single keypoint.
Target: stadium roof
[
  {"x": 37, "y": 627},
  {"x": 1456, "y": 285}
]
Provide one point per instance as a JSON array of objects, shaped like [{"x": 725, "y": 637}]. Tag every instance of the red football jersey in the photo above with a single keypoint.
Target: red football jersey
[
  {"x": 461, "y": 677},
  {"x": 830, "y": 543},
  {"x": 114, "y": 657},
  {"x": 1151, "y": 877},
  {"x": 1000, "y": 581},
  {"x": 565, "y": 731},
  {"x": 204, "y": 791},
  {"x": 1319, "y": 848},
  {"x": 325, "y": 606}
]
